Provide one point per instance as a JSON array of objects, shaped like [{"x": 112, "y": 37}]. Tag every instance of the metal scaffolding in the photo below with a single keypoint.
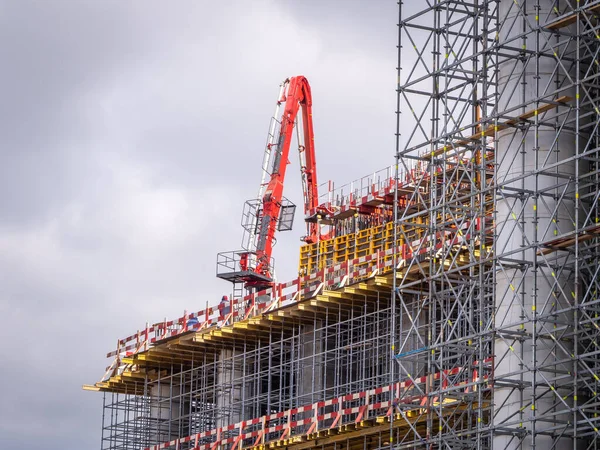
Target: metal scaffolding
[
  {"x": 283, "y": 373},
  {"x": 503, "y": 99},
  {"x": 455, "y": 306}
]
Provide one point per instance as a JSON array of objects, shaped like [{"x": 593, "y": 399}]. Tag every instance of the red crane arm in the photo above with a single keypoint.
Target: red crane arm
[
  {"x": 297, "y": 96},
  {"x": 309, "y": 164}
]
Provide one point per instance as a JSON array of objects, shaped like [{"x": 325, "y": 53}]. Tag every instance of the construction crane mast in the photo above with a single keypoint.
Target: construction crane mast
[{"x": 270, "y": 211}]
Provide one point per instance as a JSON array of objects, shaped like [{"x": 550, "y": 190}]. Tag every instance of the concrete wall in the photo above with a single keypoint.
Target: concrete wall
[
  {"x": 517, "y": 157},
  {"x": 229, "y": 388},
  {"x": 168, "y": 412}
]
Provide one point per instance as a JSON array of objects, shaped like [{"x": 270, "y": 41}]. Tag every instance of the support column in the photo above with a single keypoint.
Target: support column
[
  {"x": 229, "y": 388},
  {"x": 532, "y": 310},
  {"x": 311, "y": 365},
  {"x": 168, "y": 407}
]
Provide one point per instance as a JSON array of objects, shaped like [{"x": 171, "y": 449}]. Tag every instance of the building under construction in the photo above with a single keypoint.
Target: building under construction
[{"x": 450, "y": 301}]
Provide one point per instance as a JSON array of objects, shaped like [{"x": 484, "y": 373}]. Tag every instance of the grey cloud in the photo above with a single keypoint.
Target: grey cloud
[{"x": 132, "y": 134}]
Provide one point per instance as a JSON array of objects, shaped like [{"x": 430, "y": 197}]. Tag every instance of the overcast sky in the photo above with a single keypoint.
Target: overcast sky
[{"x": 132, "y": 134}]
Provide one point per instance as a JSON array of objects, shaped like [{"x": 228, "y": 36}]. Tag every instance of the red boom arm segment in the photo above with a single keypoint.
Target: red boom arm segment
[
  {"x": 270, "y": 211},
  {"x": 297, "y": 96}
]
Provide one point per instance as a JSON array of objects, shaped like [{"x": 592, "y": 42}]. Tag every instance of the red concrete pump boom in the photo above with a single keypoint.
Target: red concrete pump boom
[
  {"x": 298, "y": 96},
  {"x": 271, "y": 211}
]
